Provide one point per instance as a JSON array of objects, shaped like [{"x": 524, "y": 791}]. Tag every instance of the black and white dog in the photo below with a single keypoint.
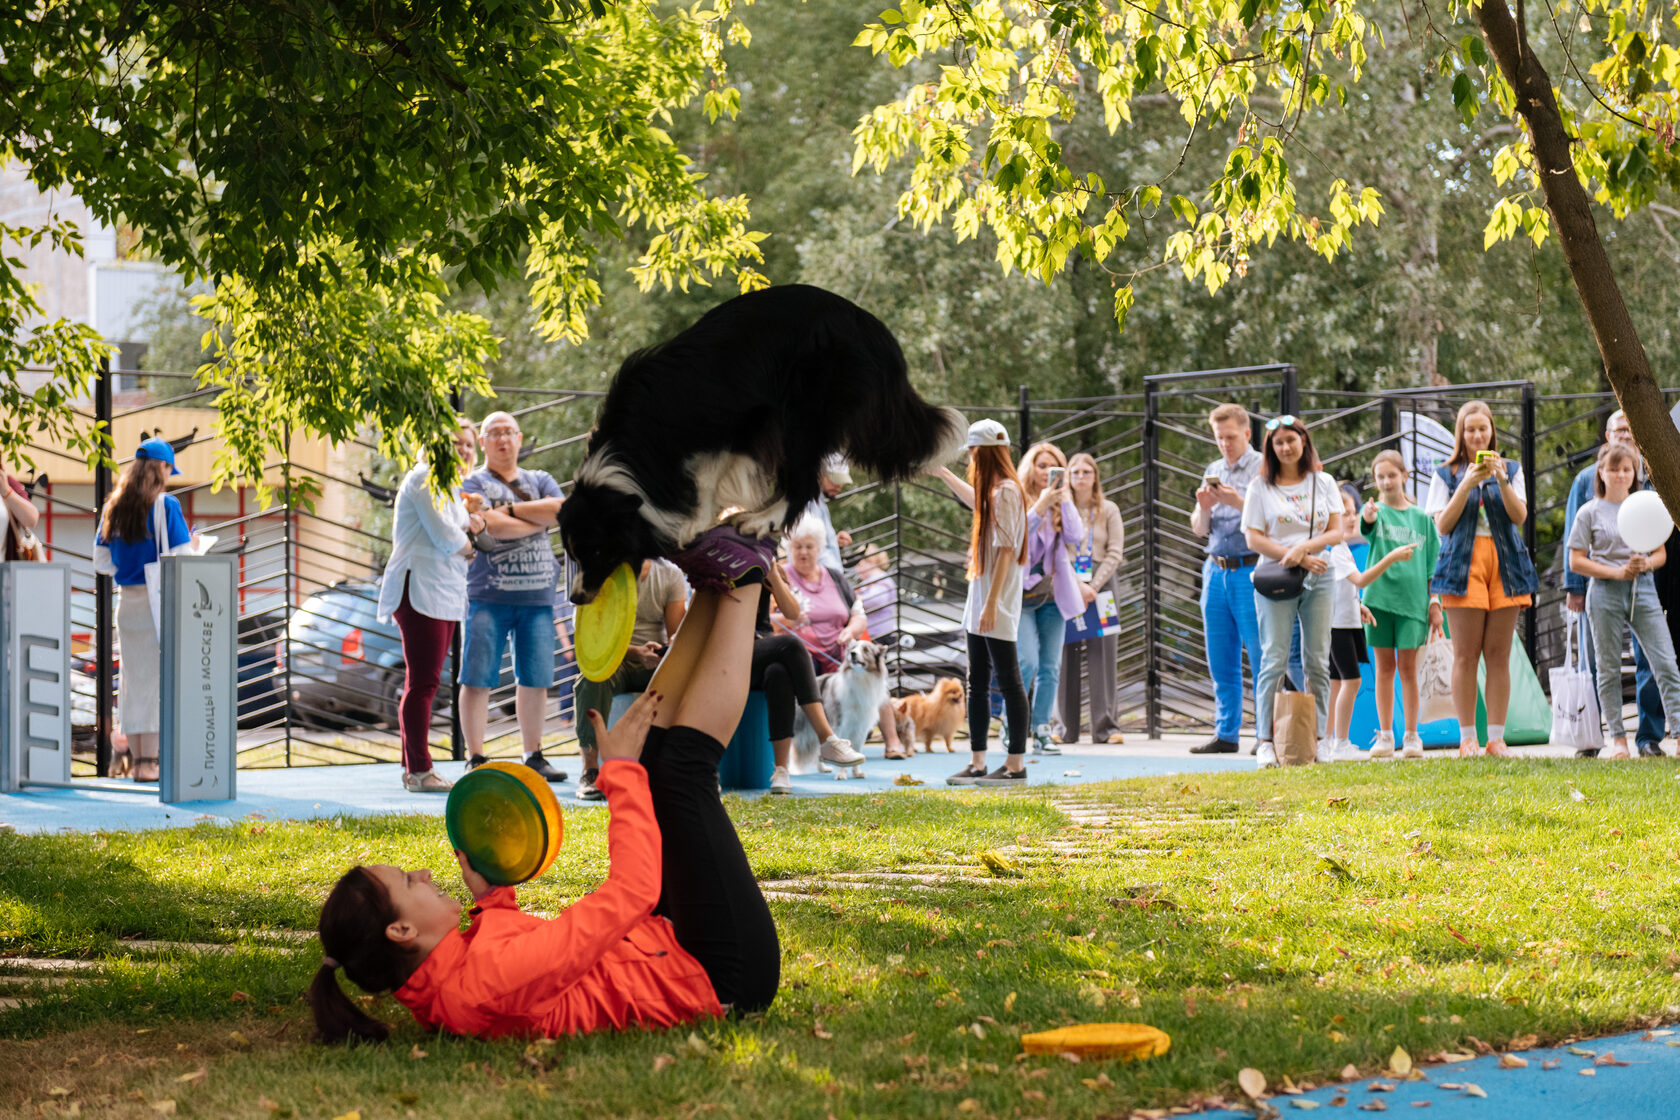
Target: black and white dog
[
  {"x": 852, "y": 696},
  {"x": 739, "y": 411}
]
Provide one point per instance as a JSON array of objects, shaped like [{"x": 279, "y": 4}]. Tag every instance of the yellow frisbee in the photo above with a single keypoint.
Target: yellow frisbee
[
  {"x": 506, "y": 820},
  {"x": 604, "y": 625},
  {"x": 1100, "y": 1040}
]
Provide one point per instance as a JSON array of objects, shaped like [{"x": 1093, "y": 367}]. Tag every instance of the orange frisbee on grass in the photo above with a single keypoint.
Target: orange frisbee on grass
[
  {"x": 506, "y": 820},
  {"x": 604, "y": 625},
  {"x": 1127, "y": 1041}
]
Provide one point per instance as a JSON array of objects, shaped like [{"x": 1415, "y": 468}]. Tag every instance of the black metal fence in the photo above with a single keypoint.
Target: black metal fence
[{"x": 320, "y": 674}]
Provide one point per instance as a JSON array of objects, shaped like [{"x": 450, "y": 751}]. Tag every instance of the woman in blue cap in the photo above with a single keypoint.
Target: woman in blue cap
[{"x": 129, "y": 529}]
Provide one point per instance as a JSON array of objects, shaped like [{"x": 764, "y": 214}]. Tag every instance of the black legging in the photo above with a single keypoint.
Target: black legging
[
  {"x": 707, "y": 889},
  {"x": 985, "y": 655},
  {"x": 782, "y": 670}
]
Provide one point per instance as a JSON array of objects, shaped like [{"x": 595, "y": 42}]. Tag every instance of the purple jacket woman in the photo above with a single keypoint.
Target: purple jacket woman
[{"x": 1043, "y": 541}]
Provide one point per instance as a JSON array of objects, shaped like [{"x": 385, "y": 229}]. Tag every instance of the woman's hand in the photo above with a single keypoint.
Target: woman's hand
[
  {"x": 1294, "y": 557},
  {"x": 1637, "y": 565},
  {"x": 1045, "y": 497},
  {"x": 988, "y": 618},
  {"x": 624, "y": 739},
  {"x": 1478, "y": 473},
  {"x": 1317, "y": 565},
  {"x": 475, "y": 524},
  {"x": 1436, "y": 630},
  {"x": 1087, "y": 593},
  {"x": 476, "y": 883}
]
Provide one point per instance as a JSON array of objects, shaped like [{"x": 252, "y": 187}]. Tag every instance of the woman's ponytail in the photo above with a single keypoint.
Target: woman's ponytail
[
  {"x": 352, "y": 929},
  {"x": 337, "y": 1018}
]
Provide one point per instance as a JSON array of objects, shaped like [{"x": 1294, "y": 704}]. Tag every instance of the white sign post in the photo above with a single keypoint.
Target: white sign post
[
  {"x": 34, "y": 675},
  {"x": 199, "y": 722}
]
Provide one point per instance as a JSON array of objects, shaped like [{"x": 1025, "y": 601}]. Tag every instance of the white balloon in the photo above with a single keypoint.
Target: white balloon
[{"x": 1644, "y": 521}]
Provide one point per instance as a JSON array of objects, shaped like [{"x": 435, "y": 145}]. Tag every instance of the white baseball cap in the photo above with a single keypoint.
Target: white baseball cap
[
  {"x": 987, "y": 433},
  {"x": 836, "y": 469}
]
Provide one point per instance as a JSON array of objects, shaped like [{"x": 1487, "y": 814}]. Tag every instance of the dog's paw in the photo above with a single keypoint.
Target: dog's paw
[
  {"x": 857, "y": 772},
  {"x": 825, "y": 768}
]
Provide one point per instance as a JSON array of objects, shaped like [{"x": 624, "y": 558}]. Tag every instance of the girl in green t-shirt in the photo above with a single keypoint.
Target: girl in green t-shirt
[{"x": 1406, "y": 615}]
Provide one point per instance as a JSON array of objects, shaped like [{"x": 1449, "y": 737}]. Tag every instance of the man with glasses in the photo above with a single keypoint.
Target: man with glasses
[
  {"x": 1647, "y": 695},
  {"x": 510, "y": 592},
  {"x": 1229, "y": 623}
]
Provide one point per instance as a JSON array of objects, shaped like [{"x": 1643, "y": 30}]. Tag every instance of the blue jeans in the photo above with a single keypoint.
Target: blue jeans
[
  {"x": 488, "y": 628},
  {"x": 1228, "y": 627},
  {"x": 1038, "y": 642},
  {"x": 1646, "y": 694},
  {"x": 1277, "y": 621},
  {"x": 1613, "y": 607}
]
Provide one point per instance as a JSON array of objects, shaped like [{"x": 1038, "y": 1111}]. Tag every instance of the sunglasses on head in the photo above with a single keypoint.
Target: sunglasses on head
[{"x": 1284, "y": 421}]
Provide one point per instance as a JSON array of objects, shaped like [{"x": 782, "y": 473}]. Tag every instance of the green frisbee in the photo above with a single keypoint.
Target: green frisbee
[{"x": 506, "y": 820}]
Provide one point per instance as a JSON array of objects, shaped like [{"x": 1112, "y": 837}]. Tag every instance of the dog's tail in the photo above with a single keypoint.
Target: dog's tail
[{"x": 905, "y": 436}]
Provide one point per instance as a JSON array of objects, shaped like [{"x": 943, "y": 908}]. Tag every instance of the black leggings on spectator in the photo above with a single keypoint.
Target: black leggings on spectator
[
  {"x": 707, "y": 889},
  {"x": 986, "y": 655},
  {"x": 781, "y": 668}
]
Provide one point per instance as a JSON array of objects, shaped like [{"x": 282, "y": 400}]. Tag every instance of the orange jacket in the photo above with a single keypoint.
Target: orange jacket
[{"x": 605, "y": 962}]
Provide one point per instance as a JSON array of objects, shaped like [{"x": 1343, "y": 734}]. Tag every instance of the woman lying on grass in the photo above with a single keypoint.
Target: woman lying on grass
[{"x": 678, "y": 931}]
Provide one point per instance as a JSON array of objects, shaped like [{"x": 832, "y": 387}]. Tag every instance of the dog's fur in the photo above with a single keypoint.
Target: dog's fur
[
  {"x": 740, "y": 410},
  {"x": 936, "y": 713},
  {"x": 851, "y": 698}
]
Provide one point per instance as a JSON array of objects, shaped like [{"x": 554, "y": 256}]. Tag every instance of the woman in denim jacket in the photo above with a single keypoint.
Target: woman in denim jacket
[{"x": 1484, "y": 574}]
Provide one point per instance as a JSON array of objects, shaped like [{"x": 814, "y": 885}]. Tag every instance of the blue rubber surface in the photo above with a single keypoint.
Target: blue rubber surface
[
  {"x": 1647, "y": 1089},
  {"x": 307, "y": 792}
]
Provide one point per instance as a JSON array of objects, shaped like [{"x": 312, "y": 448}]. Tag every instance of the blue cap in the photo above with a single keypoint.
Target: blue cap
[{"x": 160, "y": 451}]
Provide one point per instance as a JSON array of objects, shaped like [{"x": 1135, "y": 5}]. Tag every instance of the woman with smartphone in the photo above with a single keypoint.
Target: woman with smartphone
[
  {"x": 1049, "y": 589},
  {"x": 1484, "y": 574}
]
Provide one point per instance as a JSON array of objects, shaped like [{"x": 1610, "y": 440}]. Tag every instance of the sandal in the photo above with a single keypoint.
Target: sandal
[
  {"x": 892, "y": 757},
  {"x": 1115, "y": 737},
  {"x": 145, "y": 770},
  {"x": 429, "y": 782}
]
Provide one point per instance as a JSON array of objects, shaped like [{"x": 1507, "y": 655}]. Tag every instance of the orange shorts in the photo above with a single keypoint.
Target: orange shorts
[{"x": 1484, "y": 591}]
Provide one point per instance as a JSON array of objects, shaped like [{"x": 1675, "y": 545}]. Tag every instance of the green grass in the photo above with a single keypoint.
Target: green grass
[{"x": 1484, "y": 901}]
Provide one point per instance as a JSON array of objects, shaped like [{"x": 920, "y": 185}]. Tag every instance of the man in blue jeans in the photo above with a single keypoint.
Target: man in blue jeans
[
  {"x": 1647, "y": 695},
  {"x": 510, "y": 593},
  {"x": 1228, "y": 619}
]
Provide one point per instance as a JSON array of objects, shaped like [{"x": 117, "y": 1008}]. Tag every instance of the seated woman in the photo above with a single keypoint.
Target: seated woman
[{"x": 679, "y": 931}]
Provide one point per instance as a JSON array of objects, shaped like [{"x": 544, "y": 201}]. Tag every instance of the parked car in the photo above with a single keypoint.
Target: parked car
[
  {"x": 347, "y": 667},
  {"x": 262, "y": 680}
]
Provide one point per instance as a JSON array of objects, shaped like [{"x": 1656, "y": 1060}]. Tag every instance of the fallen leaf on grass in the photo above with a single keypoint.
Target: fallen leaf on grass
[
  {"x": 1380, "y": 1087},
  {"x": 1338, "y": 1100},
  {"x": 1070, "y": 1057},
  {"x": 1452, "y": 1086},
  {"x": 194, "y": 1077},
  {"x": 1252, "y": 1081},
  {"x": 407, "y": 1098},
  {"x": 1575, "y": 794},
  {"x": 818, "y": 1031},
  {"x": 1525, "y": 1042},
  {"x": 1400, "y": 1062},
  {"x": 1336, "y": 801},
  {"x": 1350, "y": 1072},
  {"x": 58, "y": 1091},
  {"x": 1032, "y": 1094},
  {"x": 1100, "y": 1081},
  {"x": 1551, "y": 1063},
  {"x": 1481, "y": 1047},
  {"x": 273, "y": 1106},
  {"x": 166, "y": 1107},
  {"x": 1009, "y": 1002},
  {"x": 416, "y": 1053},
  {"x": 1330, "y": 865},
  {"x": 969, "y": 1104},
  {"x": 1000, "y": 866},
  {"x": 908, "y": 780},
  {"x": 240, "y": 997},
  {"x": 1303, "y": 1103},
  {"x": 1511, "y": 1061},
  {"x": 661, "y": 1062}
]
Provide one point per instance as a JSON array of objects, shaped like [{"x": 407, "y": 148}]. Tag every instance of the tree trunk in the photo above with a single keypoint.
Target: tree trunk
[{"x": 1625, "y": 362}]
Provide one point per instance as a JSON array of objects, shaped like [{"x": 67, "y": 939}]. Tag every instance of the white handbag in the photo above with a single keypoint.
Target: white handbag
[
  {"x": 1435, "y": 667},
  {"x": 1575, "y": 712},
  {"x": 154, "y": 570}
]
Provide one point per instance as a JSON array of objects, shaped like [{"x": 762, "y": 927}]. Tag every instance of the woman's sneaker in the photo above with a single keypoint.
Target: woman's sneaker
[
  {"x": 780, "y": 783},
  {"x": 587, "y": 789},
  {"x": 1044, "y": 742},
  {"x": 1326, "y": 751},
  {"x": 1003, "y": 776},
  {"x": 1412, "y": 747},
  {"x": 1265, "y": 757},
  {"x": 1343, "y": 750},
  {"x": 839, "y": 752},
  {"x": 967, "y": 776},
  {"x": 724, "y": 558},
  {"x": 1383, "y": 745}
]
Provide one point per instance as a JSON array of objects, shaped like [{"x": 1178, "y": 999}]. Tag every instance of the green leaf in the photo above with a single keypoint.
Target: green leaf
[{"x": 1464, "y": 98}]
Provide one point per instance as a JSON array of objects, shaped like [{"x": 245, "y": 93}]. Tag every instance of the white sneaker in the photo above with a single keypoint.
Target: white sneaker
[
  {"x": 1265, "y": 758},
  {"x": 1343, "y": 750},
  {"x": 839, "y": 752},
  {"x": 1412, "y": 747},
  {"x": 779, "y": 781},
  {"x": 1383, "y": 745},
  {"x": 1326, "y": 751}
]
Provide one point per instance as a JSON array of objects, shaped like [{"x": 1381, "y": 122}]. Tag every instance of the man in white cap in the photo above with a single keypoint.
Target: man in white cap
[{"x": 836, "y": 476}]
